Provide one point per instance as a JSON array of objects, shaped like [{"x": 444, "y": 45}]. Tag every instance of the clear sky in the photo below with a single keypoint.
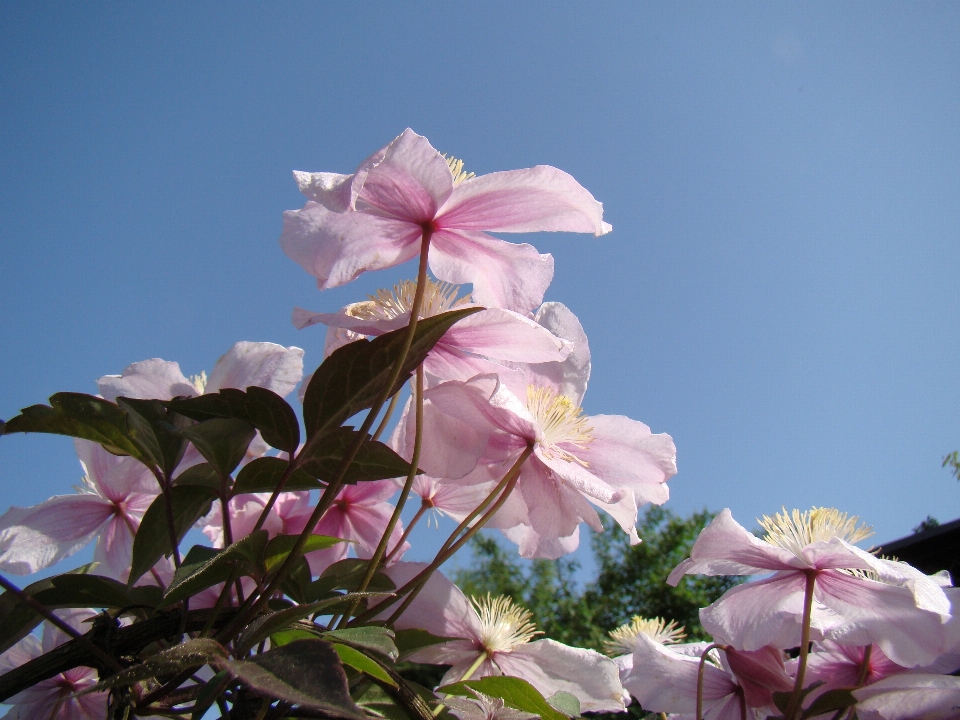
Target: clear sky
[{"x": 780, "y": 292}]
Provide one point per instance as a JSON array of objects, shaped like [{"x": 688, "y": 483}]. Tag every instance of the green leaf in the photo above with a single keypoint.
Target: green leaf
[
  {"x": 209, "y": 693},
  {"x": 80, "y": 416},
  {"x": 189, "y": 503},
  {"x": 830, "y": 701},
  {"x": 204, "y": 475},
  {"x": 513, "y": 691},
  {"x": 322, "y": 455},
  {"x": 307, "y": 673},
  {"x": 222, "y": 441},
  {"x": 156, "y": 430},
  {"x": 359, "y": 661},
  {"x": 280, "y": 546},
  {"x": 351, "y": 378},
  {"x": 565, "y": 702},
  {"x": 205, "y": 567},
  {"x": 71, "y": 590},
  {"x": 368, "y": 637},
  {"x": 346, "y": 575},
  {"x": 412, "y": 639},
  {"x": 262, "y": 408},
  {"x": 263, "y": 475},
  {"x": 189, "y": 654},
  {"x": 285, "y": 637}
]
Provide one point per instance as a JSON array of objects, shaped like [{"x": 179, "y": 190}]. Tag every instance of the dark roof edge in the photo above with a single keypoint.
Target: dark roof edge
[{"x": 894, "y": 545}]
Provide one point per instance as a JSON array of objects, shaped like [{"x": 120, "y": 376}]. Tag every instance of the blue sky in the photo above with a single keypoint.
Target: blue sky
[{"x": 779, "y": 293}]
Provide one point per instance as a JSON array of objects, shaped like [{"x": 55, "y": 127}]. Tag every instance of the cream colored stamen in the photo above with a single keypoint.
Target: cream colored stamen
[
  {"x": 561, "y": 422},
  {"x": 456, "y": 169},
  {"x": 796, "y": 530},
  {"x": 438, "y": 297},
  {"x": 624, "y": 638},
  {"x": 199, "y": 382},
  {"x": 504, "y": 625}
]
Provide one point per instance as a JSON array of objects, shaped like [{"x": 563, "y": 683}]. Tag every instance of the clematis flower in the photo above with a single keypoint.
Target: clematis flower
[
  {"x": 495, "y": 637},
  {"x": 610, "y": 461},
  {"x": 902, "y": 611},
  {"x": 375, "y": 218},
  {"x": 116, "y": 492},
  {"x": 735, "y": 684},
  {"x": 456, "y": 500},
  {"x": 839, "y": 665},
  {"x": 623, "y": 640},
  {"x": 56, "y": 698},
  {"x": 481, "y": 707},
  {"x": 910, "y": 697},
  {"x": 471, "y": 347}
]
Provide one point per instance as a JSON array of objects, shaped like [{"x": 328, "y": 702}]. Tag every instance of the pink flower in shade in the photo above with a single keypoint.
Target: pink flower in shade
[
  {"x": 664, "y": 679},
  {"x": 359, "y": 516},
  {"x": 611, "y": 461},
  {"x": 116, "y": 493},
  {"x": 375, "y": 218},
  {"x": 911, "y": 696},
  {"x": 55, "y": 698},
  {"x": 839, "y": 665},
  {"x": 902, "y": 611},
  {"x": 471, "y": 347},
  {"x": 500, "y": 632},
  {"x": 456, "y": 500}
]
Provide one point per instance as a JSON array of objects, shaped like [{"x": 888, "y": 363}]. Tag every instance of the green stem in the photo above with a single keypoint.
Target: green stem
[
  {"x": 387, "y": 415},
  {"x": 424, "y": 506},
  {"x": 791, "y": 712},
  {"x": 288, "y": 471},
  {"x": 700, "y": 669},
  {"x": 466, "y": 676}
]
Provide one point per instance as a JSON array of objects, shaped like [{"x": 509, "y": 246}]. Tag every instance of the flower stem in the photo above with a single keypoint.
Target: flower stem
[
  {"x": 424, "y": 506},
  {"x": 804, "y": 645},
  {"x": 387, "y": 415},
  {"x": 703, "y": 662},
  {"x": 466, "y": 676},
  {"x": 374, "y": 562}
]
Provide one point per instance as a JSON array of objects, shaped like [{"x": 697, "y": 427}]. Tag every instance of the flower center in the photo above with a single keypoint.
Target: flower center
[
  {"x": 561, "y": 422},
  {"x": 504, "y": 625},
  {"x": 624, "y": 638},
  {"x": 438, "y": 297},
  {"x": 456, "y": 169},
  {"x": 796, "y": 530},
  {"x": 199, "y": 382}
]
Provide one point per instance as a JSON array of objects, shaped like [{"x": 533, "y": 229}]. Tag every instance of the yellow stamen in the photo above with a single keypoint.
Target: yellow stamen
[
  {"x": 199, "y": 382},
  {"x": 438, "y": 297},
  {"x": 560, "y": 420},
  {"x": 456, "y": 169},
  {"x": 504, "y": 625},
  {"x": 624, "y": 638},
  {"x": 795, "y": 530}
]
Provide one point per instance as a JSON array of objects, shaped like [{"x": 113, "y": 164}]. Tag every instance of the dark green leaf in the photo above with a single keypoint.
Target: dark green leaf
[
  {"x": 80, "y": 416},
  {"x": 270, "y": 414},
  {"x": 205, "y": 567},
  {"x": 280, "y": 546},
  {"x": 222, "y": 441},
  {"x": 71, "y": 590},
  {"x": 156, "y": 431},
  {"x": 263, "y": 475},
  {"x": 565, "y": 702},
  {"x": 369, "y": 637},
  {"x": 346, "y": 575},
  {"x": 203, "y": 475},
  {"x": 350, "y": 379},
  {"x": 412, "y": 639},
  {"x": 321, "y": 458},
  {"x": 189, "y": 503},
  {"x": 189, "y": 654},
  {"x": 307, "y": 673},
  {"x": 285, "y": 637},
  {"x": 209, "y": 693},
  {"x": 830, "y": 701},
  {"x": 359, "y": 661},
  {"x": 513, "y": 691}
]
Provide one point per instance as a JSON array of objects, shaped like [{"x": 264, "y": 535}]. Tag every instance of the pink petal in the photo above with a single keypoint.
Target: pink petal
[
  {"x": 342, "y": 319},
  {"x": 37, "y": 537},
  {"x": 532, "y": 545},
  {"x": 536, "y": 199},
  {"x": 337, "y": 247},
  {"x": 153, "y": 379},
  {"x": 555, "y": 508},
  {"x": 263, "y": 364},
  {"x": 760, "y": 674},
  {"x": 910, "y": 696},
  {"x": 115, "y": 548},
  {"x": 725, "y": 547},
  {"x": 596, "y": 489},
  {"x": 337, "y": 192},
  {"x": 503, "y": 274},
  {"x": 409, "y": 183},
  {"x": 115, "y": 477},
  {"x": 553, "y": 667},
  {"x": 570, "y": 377},
  {"x": 506, "y": 335}
]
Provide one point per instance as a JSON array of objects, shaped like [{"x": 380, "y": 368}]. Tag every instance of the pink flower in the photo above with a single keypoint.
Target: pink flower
[
  {"x": 55, "y": 698},
  {"x": 910, "y": 697},
  {"x": 610, "y": 461},
  {"x": 471, "y": 347},
  {"x": 117, "y": 492},
  {"x": 494, "y": 637},
  {"x": 902, "y": 611},
  {"x": 375, "y": 218}
]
